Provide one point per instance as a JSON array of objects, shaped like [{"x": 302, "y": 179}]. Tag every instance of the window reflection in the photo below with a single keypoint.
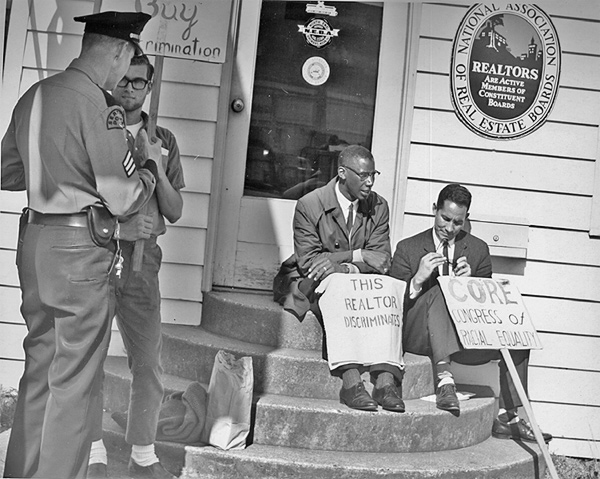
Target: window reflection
[{"x": 298, "y": 126}]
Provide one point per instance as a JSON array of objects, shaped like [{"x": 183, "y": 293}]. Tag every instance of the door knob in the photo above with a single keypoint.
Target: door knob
[{"x": 237, "y": 105}]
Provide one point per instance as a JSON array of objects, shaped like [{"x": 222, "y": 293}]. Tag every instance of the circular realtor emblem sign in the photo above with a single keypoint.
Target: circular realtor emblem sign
[
  {"x": 504, "y": 69},
  {"x": 317, "y": 32},
  {"x": 315, "y": 71}
]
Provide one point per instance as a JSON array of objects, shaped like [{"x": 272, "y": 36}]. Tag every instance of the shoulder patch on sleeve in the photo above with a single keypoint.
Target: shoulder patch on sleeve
[
  {"x": 115, "y": 119},
  {"x": 128, "y": 164}
]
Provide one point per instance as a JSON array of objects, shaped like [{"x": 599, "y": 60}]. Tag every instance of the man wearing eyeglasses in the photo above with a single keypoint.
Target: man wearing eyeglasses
[
  {"x": 138, "y": 295},
  {"x": 343, "y": 227}
]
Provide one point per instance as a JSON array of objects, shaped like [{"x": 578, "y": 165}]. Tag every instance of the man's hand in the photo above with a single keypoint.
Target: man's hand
[
  {"x": 377, "y": 260},
  {"x": 428, "y": 264},
  {"x": 148, "y": 149},
  {"x": 138, "y": 227},
  {"x": 323, "y": 267},
  {"x": 462, "y": 268}
]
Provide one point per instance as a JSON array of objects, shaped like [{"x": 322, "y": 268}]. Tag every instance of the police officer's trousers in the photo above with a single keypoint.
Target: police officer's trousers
[{"x": 67, "y": 305}]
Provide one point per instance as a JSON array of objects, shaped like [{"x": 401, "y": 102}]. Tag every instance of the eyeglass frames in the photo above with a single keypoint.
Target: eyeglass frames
[
  {"x": 365, "y": 175},
  {"x": 136, "y": 83}
]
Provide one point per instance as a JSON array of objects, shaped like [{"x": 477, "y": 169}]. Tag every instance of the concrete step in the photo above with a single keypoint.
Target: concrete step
[
  {"x": 491, "y": 459},
  {"x": 256, "y": 318},
  {"x": 189, "y": 352},
  {"x": 325, "y": 424}
]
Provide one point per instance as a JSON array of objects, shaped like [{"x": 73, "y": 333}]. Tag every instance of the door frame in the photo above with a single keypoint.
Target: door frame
[{"x": 392, "y": 127}]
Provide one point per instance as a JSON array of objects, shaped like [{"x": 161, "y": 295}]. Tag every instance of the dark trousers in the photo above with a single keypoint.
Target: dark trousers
[
  {"x": 138, "y": 318},
  {"x": 67, "y": 305},
  {"x": 428, "y": 330}
]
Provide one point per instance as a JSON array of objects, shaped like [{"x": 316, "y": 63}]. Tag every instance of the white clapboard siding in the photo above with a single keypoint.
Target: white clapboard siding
[
  {"x": 10, "y": 301},
  {"x": 10, "y": 372},
  {"x": 198, "y": 171},
  {"x": 571, "y": 386},
  {"x": 554, "y": 139},
  {"x": 509, "y": 169},
  {"x": 11, "y": 341},
  {"x": 9, "y": 230}
]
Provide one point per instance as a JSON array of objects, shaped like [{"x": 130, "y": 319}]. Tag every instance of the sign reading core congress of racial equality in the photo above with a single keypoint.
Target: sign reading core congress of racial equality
[
  {"x": 488, "y": 313},
  {"x": 362, "y": 315},
  {"x": 505, "y": 68},
  {"x": 193, "y": 30}
]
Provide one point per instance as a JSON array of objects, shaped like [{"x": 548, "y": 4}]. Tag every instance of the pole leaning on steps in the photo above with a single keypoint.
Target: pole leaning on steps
[{"x": 528, "y": 409}]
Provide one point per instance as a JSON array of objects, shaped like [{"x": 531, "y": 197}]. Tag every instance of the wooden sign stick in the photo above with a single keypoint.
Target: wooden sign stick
[
  {"x": 138, "y": 249},
  {"x": 528, "y": 409}
]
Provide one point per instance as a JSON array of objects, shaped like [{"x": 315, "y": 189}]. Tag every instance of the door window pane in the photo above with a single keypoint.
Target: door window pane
[{"x": 310, "y": 99}]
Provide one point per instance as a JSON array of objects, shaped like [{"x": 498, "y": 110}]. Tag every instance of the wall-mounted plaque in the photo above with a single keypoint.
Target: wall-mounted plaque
[{"x": 505, "y": 69}]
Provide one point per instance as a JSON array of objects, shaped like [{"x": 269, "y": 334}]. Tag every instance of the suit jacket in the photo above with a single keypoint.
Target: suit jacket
[
  {"x": 320, "y": 230},
  {"x": 409, "y": 252}
]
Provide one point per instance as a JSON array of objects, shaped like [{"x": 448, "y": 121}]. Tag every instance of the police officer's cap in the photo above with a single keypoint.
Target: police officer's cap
[{"x": 123, "y": 25}]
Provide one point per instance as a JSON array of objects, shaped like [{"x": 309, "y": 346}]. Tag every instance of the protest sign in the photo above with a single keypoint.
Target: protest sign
[
  {"x": 196, "y": 30},
  {"x": 488, "y": 313},
  {"x": 362, "y": 315}
]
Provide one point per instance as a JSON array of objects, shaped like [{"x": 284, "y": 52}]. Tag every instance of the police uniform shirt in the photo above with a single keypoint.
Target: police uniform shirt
[{"x": 66, "y": 144}]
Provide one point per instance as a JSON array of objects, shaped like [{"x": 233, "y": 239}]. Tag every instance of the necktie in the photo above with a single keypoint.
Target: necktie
[
  {"x": 446, "y": 266},
  {"x": 350, "y": 219}
]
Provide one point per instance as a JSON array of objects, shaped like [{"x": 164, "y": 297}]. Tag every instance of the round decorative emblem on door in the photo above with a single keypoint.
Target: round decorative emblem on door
[{"x": 315, "y": 71}]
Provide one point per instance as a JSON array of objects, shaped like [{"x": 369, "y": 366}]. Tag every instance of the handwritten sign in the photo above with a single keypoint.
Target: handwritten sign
[
  {"x": 362, "y": 315},
  {"x": 195, "y": 30},
  {"x": 488, "y": 314}
]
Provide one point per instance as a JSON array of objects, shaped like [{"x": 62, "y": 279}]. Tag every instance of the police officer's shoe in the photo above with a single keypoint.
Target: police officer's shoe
[
  {"x": 155, "y": 470},
  {"x": 446, "y": 399},
  {"x": 519, "y": 431},
  {"x": 389, "y": 397},
  {"x": 357, "y": 397},
  {"x": 97, "y": 470}
]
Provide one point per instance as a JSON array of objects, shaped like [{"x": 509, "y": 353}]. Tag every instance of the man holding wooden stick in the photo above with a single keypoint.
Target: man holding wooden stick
[{"x": 138, "y": 295}]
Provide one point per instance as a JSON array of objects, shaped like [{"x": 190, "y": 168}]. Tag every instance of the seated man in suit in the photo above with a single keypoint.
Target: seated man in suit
[
  {"x": 343, "y": 227},
  {"x": 428, "y": 328}
]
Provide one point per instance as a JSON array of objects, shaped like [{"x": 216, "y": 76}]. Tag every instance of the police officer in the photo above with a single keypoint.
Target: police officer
[{"x": 66, "y": 146}]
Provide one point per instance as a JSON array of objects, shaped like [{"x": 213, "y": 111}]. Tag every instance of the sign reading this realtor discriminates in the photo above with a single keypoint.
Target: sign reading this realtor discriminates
[
  {"x": 505, "y": 69},
  {"x": 488, "y": 313},
  {"x": 194, "y": 30},
  {"x": 362, "y": 315}
]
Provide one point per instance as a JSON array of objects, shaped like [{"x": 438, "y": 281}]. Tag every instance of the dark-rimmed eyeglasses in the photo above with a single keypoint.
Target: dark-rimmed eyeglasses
[
  {"x": 364, "y": 175},
  {"x": 136, "y": 83}
]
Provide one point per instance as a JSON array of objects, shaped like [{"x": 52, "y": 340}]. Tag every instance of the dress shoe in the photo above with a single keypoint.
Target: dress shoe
[
  {"x": 97, "y": 470},
  {"x": 389, "y": 397},
  {"x": 155, "y": 470},
  {"x": 446, "y": 399},
  {"x": 357, "y": 397},
  {"x": 519, "y": 431}
]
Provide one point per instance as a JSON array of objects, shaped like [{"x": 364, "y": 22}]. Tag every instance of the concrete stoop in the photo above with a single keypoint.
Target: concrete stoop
[{"x": 299, "y": 428}]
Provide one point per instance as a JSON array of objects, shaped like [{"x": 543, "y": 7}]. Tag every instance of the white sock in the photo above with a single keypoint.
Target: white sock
[
  {"x": 98, "y": 453},
  {"x": 143, "y": 455}
]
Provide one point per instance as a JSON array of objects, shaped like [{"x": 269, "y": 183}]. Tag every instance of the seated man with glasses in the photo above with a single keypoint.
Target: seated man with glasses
[
  {"x": 138, "y": 295},
  {"x": 342, "y": 227}
]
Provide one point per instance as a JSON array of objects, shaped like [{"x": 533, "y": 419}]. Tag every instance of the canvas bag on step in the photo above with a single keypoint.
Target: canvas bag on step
[{"x": 229, "y": 401}]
